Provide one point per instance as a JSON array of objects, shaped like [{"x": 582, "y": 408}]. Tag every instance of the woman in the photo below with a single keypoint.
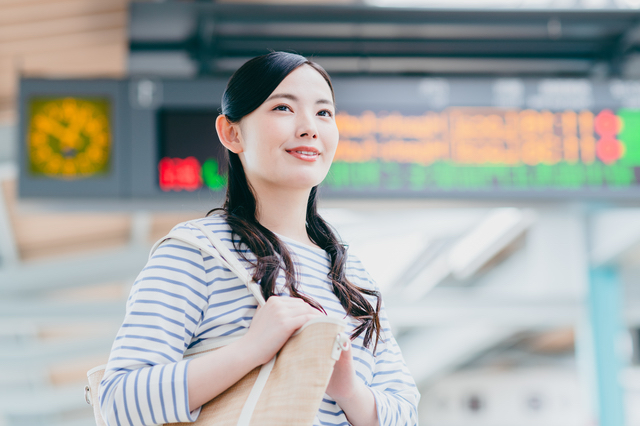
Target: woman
[{"x": 278, "y": 126}]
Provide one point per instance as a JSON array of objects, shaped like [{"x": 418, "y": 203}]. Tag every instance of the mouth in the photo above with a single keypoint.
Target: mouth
[{"x": 304, "y": 153}]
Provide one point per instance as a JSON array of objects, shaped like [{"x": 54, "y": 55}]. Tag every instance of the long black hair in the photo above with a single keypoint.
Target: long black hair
[{"x": 247, "y": 89}]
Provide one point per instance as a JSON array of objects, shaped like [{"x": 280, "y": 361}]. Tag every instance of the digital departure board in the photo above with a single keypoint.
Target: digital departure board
[
  {"x": 399, "y": 137},
  {"x": 191, "y": 156},
  {"x": 488, "y": 149}
]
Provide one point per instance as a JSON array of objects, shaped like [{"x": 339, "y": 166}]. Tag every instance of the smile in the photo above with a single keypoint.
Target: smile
[{"x": 304, "y": 154}]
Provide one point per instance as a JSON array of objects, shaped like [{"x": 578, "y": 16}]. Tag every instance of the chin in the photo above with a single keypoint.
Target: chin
[
  {"x": 301, "y": 185},
  {"x": 305, "y": 182},
  {"x": 303, "y": 178}
]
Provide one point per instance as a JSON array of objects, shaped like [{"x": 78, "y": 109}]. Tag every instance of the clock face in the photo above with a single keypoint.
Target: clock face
[{"x": 69, "y": 138}]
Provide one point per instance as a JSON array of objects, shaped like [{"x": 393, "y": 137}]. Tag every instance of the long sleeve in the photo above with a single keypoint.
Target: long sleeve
[
  {"x": 390, "y": 381},
  {"x": 393, "y": 386},
  {"x": 145, "y": 382}
]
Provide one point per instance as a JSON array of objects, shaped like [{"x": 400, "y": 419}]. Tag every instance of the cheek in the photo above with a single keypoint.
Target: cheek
[
  {"x": 258, "y": 141},
  {"x": 332, "y": 138},
  {"x": 269, "y": 138}
]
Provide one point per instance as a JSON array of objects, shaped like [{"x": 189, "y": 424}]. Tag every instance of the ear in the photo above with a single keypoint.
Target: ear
[{"x": 229, "y": 134}]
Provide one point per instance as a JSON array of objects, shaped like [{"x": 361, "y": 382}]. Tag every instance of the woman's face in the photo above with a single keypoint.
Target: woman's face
[{"x": 290, "y": 140}]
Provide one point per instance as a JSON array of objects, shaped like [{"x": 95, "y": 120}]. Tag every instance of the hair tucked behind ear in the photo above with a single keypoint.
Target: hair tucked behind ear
[{"x": 247, "y": 89}]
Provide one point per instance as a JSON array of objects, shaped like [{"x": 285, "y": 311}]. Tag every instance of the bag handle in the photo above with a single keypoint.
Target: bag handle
[
  {"x": 221, "y": 252},
  {"x": 228, "y": 259}
]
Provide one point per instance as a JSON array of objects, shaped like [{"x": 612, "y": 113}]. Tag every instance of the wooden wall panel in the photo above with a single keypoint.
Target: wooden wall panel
[
  {"x": 59, "y": 38},
  {"x": 51, "y": 234},
  {"x": 21, "y": 11},
  {"x": 162, "y": 223},
  {"x": 40, "y": 30},
  {"x": 97, "y": 61},
  {"x": 47, "y": 234},
  {"x": 21, "y": 49}
]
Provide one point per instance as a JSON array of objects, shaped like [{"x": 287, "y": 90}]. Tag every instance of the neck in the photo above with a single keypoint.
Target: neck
[{"x": 284, "y": 211}]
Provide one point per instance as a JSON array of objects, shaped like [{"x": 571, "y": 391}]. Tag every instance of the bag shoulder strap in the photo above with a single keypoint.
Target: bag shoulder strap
[{"x": 221, "y": 252}]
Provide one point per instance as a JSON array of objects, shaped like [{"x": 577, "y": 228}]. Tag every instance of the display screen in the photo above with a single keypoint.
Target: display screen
[
  {"x": 69, "y": 137},
  {"x": 415, "y": 137},
  {"x": 457, "y": 149},
  {"x": 487, "y": 149},
  {"x": 191, "y": 155}
]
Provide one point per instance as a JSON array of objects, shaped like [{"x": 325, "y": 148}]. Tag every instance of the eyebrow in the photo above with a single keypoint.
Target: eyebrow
[{"x": 294, "y": 98}]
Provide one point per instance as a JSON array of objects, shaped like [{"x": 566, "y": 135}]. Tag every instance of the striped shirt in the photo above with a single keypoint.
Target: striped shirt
[{"x": 183, "y": 298}]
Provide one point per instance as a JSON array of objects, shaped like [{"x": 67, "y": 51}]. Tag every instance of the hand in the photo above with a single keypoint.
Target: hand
[
  {"x": 351, "y": 394},
  {"x": 343, "y": 382},
  {"x": 274, "y": 323}
]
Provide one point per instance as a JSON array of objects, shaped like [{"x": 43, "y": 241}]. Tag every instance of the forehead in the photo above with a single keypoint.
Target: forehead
[{"x": 305, "y": 80}]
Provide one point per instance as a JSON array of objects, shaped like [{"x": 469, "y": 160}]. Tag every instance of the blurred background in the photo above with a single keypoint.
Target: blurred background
[{"x": 488, "y": 176}]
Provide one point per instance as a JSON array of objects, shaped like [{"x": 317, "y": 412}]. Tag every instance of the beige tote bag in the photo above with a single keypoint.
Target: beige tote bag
[{"x": 286, "y": 391}]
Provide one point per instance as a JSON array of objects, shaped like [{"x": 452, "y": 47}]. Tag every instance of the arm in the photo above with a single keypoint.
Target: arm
[
  {"x": 393, "y": 386},
  {"x": 392, "y": 397},
  {"x": 147, "y": 381},
  {"x": 352, "y": 395}
]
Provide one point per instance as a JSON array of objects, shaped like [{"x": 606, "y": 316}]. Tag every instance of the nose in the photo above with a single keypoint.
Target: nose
[{"x": 307, "y": 127}]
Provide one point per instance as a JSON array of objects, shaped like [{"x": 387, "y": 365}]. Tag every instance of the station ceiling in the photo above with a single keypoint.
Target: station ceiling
[{"x": 207, "y": 38}]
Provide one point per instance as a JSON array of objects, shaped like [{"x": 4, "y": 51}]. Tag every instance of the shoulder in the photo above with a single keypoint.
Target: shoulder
[
  {"x": 192, "y": 229},
  {"x": 215, "y": 223},
  {"x": 358, "y": 274},
  {"x": 190, "y": 236},
  {"x": 354, "y": 263}
]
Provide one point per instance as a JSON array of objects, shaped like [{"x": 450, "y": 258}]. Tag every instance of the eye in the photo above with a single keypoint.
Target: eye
[
  {"x": 325, "y": 113},
  {"x": 282, "y": 108}
]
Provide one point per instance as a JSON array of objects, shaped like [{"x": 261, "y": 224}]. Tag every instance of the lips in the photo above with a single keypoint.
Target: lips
[{"x": 304, "y": 153}]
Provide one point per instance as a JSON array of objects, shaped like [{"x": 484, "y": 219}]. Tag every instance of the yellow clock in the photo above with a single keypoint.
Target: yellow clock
[{"x": 69, "y": 138}]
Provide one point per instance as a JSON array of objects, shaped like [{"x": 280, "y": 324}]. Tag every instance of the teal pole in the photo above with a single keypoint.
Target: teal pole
[{"x": 605, "y": 318}]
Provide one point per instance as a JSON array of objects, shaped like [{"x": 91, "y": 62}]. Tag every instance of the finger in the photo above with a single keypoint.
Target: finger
[
  {"x": 290, "y": 302},
  {"x": 301, "y": 320},
  {"x": 302, "y": 310},
  {"x": 296, "y": 301},
  {"x": 293, "y": 301}
]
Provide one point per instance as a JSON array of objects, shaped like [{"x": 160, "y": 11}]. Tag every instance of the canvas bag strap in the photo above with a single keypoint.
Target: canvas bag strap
[
  {"x": 233, "y": 262},
  {"x": 227, "y": 258},
  {"x": 221, "y": 252},
  {"x": 265, "y": 371}
]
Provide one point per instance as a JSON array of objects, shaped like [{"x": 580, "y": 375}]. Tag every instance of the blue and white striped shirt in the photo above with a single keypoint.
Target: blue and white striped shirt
[{"x": 182, "y": 299}]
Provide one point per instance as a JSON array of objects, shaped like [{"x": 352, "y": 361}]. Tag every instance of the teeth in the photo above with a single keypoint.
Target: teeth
[{"x": 307, "y": 153}]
